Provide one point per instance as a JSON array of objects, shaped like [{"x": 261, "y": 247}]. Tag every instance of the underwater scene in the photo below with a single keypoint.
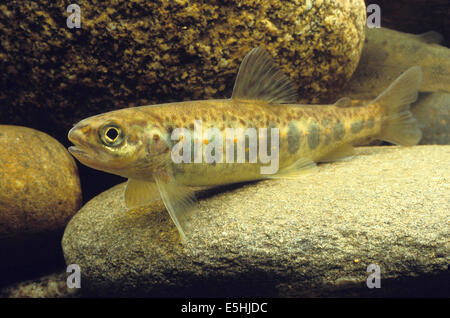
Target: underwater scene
[{"x": 224, "y": 149}]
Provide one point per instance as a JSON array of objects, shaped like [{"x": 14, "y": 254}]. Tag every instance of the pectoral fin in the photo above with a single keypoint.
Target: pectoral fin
[
  {"x": 140, "y": 193},
  {"x": 178, "y": 199}
]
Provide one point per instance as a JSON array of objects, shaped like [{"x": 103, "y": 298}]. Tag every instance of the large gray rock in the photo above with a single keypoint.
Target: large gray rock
[{"x": 314, "y": 236}]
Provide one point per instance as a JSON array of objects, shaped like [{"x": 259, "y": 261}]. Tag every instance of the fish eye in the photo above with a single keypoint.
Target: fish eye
[{"x": 111, "y": 135}]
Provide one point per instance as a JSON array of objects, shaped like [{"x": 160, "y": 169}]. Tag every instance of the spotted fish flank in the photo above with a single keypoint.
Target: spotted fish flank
[
  {"x": 339, "y": 131},
  {"x": 370, "y": 123},
  {"x": 293, "y": 138},
  {"x": 138, "y": 142},
  {"x": 313, "y": 135},
  {"x": 326, "y": 131},
  {"x": 356, "y": 126}
]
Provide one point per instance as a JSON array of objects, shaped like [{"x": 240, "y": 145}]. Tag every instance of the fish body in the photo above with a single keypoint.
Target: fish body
[
  {"x": 304, "y": 132},
  {"x": 264, "y": 132}
]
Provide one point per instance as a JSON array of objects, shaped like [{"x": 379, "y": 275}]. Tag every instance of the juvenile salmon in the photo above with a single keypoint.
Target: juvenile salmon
[{"x": 168, "y": 148}]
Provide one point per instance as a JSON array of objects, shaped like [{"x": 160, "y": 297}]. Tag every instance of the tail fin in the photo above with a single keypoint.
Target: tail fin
[{"x": 399, "y": 126}]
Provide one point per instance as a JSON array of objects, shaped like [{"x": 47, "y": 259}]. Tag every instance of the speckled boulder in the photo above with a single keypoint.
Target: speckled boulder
[
  {"x": 40, "y": 188},
  {"x": 48, "y": 286},
  {"x": 314, "y": 236},
  {"x": 139, "y": 52}
]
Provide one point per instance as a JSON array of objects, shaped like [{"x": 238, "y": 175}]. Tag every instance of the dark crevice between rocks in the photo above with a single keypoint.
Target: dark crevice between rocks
[
  {"x": 94, "y": 182},
  {"x": 253, "y": 284},
  {"x": 423, "y": 286},
  {"x": 30, "y": 257},
  {"x": 262, "y": 284}
]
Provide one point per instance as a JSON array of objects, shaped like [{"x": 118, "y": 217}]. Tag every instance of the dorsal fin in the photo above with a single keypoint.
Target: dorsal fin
[
  {"x": 260, "y": 79},
  {"x": 343, "y": 102}
]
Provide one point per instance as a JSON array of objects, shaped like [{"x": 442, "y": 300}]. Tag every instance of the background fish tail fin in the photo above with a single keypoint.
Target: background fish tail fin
[{"x": 399, "y": 125}]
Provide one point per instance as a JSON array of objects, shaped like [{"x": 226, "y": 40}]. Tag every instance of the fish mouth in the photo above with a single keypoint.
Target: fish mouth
[
  {"x": 76, "y": 151},
  {"x": 79, "y": 150},
  {"x": 82, "y": 155}
]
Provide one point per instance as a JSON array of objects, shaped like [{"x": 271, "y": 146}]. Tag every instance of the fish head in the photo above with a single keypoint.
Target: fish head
[{"x": 113, "y": 142}]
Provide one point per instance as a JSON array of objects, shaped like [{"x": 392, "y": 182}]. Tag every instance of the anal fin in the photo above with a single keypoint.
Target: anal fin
[
  {"x": 295, "y": 170},
  {"x": 339, "y": 153}
]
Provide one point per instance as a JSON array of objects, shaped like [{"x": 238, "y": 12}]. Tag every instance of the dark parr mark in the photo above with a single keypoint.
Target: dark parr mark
[
  {"x": 313, "y": 135},
  {"x": 327, "y": 136},
  {"x": 370, "y": 123},
  {"x": 357, "y": 126},
  {"x": 339, "y": 131},
  {"x": 293, "y": 138}
]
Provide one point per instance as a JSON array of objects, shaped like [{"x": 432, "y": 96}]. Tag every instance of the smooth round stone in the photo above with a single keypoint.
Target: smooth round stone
[
  {"x": 40, "y": 187},
  {"x": 313, "y": 236}
]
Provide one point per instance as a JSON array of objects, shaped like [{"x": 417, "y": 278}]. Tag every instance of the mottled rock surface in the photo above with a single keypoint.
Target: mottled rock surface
[
  {"x": 314, "y": 236},
  {"x": 137, "y": 52},
  {"x": 40, "y": 187},
  {"x": 48, "y": 286}
]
